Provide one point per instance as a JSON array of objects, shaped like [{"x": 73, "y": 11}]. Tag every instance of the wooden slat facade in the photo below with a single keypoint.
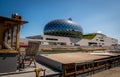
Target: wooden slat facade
[
  {"x": 9, "y": 42},
  {"x": 7, "y": 24}
]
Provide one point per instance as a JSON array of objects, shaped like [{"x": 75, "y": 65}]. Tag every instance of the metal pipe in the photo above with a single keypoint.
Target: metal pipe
[{"x": 37, "y": 71}]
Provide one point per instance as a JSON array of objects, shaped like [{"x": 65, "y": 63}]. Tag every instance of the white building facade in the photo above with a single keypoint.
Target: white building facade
[
  {"x": 97, "y": 40},
  {"x": 69, "y": 33}
]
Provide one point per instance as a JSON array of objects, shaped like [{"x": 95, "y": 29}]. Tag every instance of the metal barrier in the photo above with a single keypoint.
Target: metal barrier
[{"x": 77, "y": 68}]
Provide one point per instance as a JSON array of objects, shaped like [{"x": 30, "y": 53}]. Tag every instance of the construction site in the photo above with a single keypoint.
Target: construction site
[
  {"x": 76, "y": 63},
  {"x": 83, "y": 62}
]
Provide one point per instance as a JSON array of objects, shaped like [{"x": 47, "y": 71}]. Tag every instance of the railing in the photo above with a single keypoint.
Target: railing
[
  {"x": 89, "y": 48},
  {"x": 77, "y": 68}
]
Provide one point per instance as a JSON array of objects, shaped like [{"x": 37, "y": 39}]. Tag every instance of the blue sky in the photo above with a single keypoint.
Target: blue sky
[{"x": 92, "y": 15}]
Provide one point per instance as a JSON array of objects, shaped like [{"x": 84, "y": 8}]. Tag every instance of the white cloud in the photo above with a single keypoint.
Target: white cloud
[{"x": 99, "y": 31}]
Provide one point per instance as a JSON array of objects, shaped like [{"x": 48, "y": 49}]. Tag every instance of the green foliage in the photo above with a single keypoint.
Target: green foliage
[{"x": 89, "y": 36}]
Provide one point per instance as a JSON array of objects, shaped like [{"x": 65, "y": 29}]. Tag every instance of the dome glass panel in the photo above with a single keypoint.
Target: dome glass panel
[{"x": 61, "y": 27}]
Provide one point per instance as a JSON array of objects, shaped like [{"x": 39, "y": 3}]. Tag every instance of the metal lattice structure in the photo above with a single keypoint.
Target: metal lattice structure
[{"x": 61, "y": 27}]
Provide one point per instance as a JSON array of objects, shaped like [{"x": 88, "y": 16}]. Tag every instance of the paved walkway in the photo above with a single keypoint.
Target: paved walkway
[
  {"x": 29, "y": 72},
  {"x": 113, "y": 72}
]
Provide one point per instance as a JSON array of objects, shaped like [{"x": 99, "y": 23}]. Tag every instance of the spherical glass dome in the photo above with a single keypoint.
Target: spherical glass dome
[{"x": 62, "y": 27}]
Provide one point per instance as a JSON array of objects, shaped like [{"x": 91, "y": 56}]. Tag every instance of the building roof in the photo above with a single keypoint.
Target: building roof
[
  {"x": 7, "y": 20},
  {"x": 90, "y": 36}
]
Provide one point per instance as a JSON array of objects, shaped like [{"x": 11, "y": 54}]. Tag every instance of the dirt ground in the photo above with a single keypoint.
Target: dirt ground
[{"x": 74, "y": 57}]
